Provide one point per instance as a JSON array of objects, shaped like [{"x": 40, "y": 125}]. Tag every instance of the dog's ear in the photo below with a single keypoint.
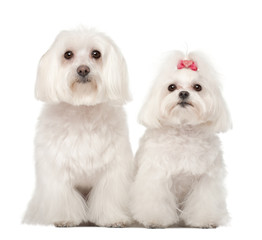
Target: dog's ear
[
  {"x": 222, "y": 121},
  {"x": 45, "y": 89},
  {"x": 149, "y": 115},
  {"x": 115, "y": 75},
  {"x": 48, "y": 87}
]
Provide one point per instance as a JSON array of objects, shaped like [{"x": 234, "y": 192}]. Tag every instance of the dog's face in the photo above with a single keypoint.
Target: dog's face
[
  {"x": 185, "y": 97},
  {"x": 82, "y": 67}
]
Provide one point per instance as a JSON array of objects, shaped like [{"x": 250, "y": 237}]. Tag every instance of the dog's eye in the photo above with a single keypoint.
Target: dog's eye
[
  {"x": 68, "y": 54},
  {"x": 197, "y": 87},
  {"x": 171, "y": 87},
  {"x": 96, "y": 54}
]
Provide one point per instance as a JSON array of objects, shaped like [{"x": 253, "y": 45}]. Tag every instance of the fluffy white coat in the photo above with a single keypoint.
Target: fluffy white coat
[
  {"x": 180, "y": 168},
  {"x": 82, "y": 151}
]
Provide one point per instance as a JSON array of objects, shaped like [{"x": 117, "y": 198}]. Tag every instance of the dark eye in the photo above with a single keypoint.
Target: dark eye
[
  {"x": 197, "y": 87},
  {"x": 96, "y": 54},
  {"x": 68, "y": 55},
  {"x": 172, "y": 87}
]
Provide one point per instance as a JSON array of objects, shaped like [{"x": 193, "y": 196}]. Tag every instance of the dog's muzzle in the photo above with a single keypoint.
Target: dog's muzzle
[{"x": 83, "y": 71}]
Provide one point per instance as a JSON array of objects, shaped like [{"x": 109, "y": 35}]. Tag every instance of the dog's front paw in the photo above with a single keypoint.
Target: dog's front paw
[
  {"x": 117, "y": 225},
  {"x": 202, "y": 225},
  {"x": 157, "y": 222},
  {"x": 156, "y": 219},
  {"x": 154, "y": 225},
  {"x": 209, "y": 226},
  {"x": 204, "y": 220},
  {"x": 116, "y": 222},
  {"x": 64, "y": 224}
]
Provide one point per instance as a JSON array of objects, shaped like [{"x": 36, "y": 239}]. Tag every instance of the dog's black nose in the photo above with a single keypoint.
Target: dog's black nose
[
  {"x": 184, "y": 95},
  {"x": 83, "y": 70}
]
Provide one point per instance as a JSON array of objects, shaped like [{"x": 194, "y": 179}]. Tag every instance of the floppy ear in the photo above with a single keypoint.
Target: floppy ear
[
  {"x": 115, "y": 76},
  {"x": 150, "y": 112},
  {"x": 45, "y": 89},
  {"x": 223, "y": 121}
]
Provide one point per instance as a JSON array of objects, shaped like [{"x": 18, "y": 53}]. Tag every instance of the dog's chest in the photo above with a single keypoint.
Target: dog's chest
[
  {"x": 78, "y": 140},
  {"x": 190, "y": 154}
]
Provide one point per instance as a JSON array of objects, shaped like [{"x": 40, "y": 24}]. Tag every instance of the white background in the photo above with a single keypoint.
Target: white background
[{"x": 228, "y": 31}]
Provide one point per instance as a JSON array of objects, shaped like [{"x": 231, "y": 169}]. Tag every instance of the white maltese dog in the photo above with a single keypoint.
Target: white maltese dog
[
  {"x": 180, "y": 168},
  {"x": 82, "y": 151}
]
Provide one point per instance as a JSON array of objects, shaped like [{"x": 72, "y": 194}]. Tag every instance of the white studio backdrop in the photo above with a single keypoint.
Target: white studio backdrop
[{"x": 227, "y": 31}]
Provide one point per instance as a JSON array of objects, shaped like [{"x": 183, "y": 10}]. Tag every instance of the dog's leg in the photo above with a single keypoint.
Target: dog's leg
[
  {"x": 152, "y": 202},
  {"x": 55, "y": 202},
  {"x": 108, "y": 199},
  {"x": 205, "y": 206}
]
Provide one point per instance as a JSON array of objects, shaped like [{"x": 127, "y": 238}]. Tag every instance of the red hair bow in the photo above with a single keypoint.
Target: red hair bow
[{"x": 187, "y": 64}]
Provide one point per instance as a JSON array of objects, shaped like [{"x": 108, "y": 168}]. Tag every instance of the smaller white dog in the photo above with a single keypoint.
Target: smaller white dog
[
  {"x": 82, "y": 151},
  {"x": 180, "y": 167}
]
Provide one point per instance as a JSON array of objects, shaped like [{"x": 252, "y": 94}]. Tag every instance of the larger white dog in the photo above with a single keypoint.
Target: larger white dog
[
  {"x": 180, "y": 166},
  {"x": 82, "y": 151}
]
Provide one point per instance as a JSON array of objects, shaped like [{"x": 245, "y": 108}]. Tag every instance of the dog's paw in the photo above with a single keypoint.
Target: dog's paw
[
  {"x": 117, "y": 222},
  {"x": 116, "y": 225},
  {"x": 154, "y": 225},
  {"x": 209, "y": 226},
  {"x": 203, "y": 225},
  {"x": 65, "y": 224}
]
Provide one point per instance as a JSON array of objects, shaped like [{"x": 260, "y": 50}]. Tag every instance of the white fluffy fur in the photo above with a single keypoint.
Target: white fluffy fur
[
  {"x": 82, "y": 152},
  {"x": 180, "y": 169}
]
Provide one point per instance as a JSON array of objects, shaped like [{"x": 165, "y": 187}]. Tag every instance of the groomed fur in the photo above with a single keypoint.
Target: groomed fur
[
  {"x": 180, "y": 168},
  {"x": 82, "y": 152}
]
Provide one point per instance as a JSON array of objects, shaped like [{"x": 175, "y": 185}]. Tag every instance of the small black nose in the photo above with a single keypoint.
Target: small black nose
[
  {"x": 83, "y": 70},
  {"x": 184, "y": 95}
]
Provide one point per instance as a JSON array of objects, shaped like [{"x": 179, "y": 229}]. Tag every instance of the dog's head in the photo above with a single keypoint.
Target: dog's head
[
  {"x": 82, "y": 67},
  {"x": 186, "y": 92}
]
